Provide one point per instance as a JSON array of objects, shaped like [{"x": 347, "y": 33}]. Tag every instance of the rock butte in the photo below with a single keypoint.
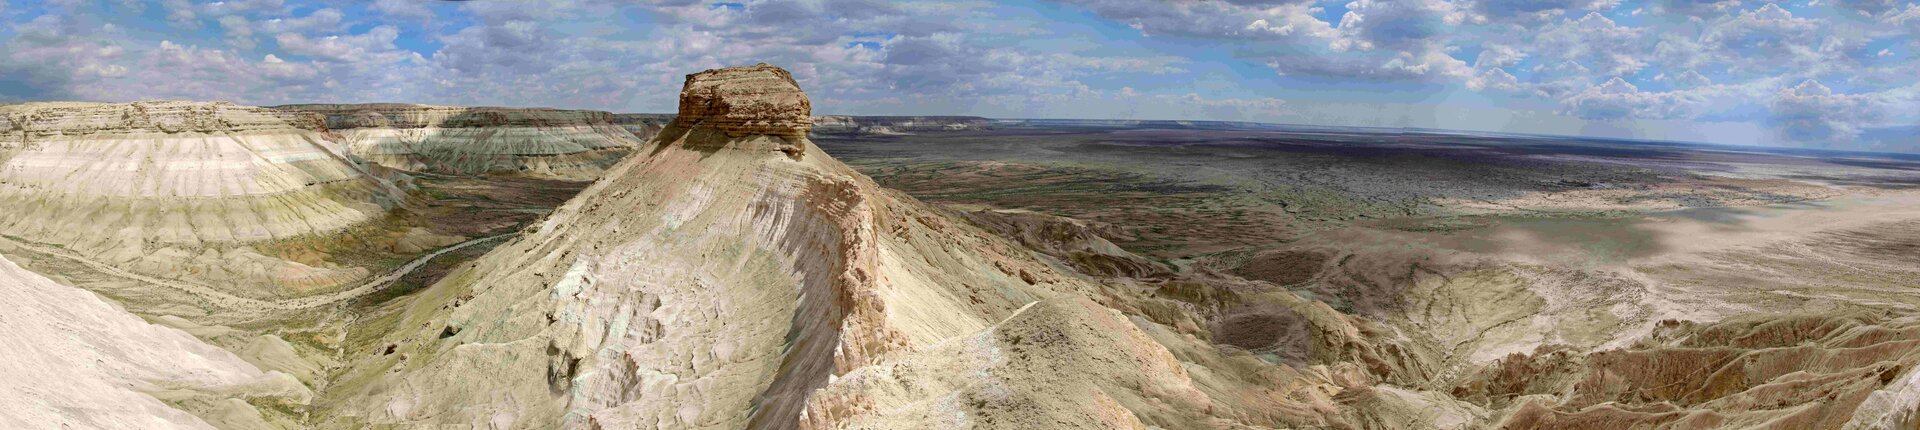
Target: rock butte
[
  {"x": 732, "y": 271},
  {"x": 538, "y": 142},
  {"x": 161, "y": 184}
]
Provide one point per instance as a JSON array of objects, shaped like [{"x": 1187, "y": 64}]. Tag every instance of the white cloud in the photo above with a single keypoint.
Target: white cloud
[
  {"x": 327, "y": 20},
  {"x": 1594, "y": 43},
  {"x": 239, "y": 31},
  {"x": 402, "y": 8},
  {"x": 1813, "y": 113},
  {"x": 1617, "y": 99},
  {"x": 1687, "y": 79},
  {"x": 375, "y": 46}
]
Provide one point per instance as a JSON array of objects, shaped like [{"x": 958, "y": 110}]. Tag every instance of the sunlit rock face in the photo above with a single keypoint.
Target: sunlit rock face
[
  {"x": 125, "y": 181},
  {"x": 741, "y": 101},
  {"x": 547, "y": 143}
]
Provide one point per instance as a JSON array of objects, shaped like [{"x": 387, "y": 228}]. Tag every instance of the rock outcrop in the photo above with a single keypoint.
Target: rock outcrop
[
  {"x": 547, "y": 143},
  {"x": 754, "y": 100},
  {"x": 163, "y": 183},
  {"x": 736, "y": 276}
]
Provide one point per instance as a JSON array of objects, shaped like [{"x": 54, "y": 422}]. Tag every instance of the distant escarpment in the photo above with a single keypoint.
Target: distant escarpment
[
  {"x": 883, "y": 125},
  {"x": 646, "y": 125},
  {"x": 643, "y": 125},
  {"x": 536, "y": 142},
  {"x": 181, "y": 186}
]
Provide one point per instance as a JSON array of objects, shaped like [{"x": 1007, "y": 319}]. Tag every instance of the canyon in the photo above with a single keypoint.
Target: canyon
[{"x": 744, "y": 263}]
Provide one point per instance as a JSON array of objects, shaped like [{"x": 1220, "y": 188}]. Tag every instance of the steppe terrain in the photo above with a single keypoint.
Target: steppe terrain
[
  {"x": 747, "y": 264},
  {"x": 1539, "y": 261}
]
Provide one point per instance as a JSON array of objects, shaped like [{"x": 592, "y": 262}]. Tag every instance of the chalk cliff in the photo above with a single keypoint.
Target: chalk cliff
[
  {"x": 181, "y": 187},
  {"x": 548, "y": 143}
]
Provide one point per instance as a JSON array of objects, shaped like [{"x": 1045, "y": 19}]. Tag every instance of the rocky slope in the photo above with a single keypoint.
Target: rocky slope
[
  {"x": 73, "y": 360},
  {"x": 181, "y": 187},
  {"x": 736, "y": 276},
  {"x": 547, "y": 143}
]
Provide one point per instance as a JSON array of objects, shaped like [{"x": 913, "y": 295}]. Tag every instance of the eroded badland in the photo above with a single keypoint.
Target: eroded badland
[{"x": 746, "y": 264}]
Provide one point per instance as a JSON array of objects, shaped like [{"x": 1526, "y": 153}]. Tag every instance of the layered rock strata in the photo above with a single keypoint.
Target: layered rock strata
[
  {"x": 646, "y": 125},
  {"x": 547, "y": 143},
  {"x": 176, "y": 185},
  {"x": 737, "y": 277}
]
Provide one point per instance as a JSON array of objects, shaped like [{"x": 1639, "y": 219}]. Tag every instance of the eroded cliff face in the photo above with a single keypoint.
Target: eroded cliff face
[
  {"x": 547, "y": 143},
  {"x": 181, "y": 187},
  {"x": 735, "y": 276}
]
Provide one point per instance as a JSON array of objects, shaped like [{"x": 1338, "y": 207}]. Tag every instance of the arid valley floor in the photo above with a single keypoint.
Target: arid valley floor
[{"x": 745, "y": 264}]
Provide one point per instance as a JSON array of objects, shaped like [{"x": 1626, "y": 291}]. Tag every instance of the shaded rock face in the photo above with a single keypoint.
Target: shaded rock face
[
  {"x": 537, "y": 142},
  {"x": 740, "y": 101}
]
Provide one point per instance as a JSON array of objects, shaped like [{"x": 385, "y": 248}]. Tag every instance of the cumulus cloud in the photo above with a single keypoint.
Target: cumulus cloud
[
  {"x": 1813, "y": 113},
  {"x": 1533, "y": 12},
  {"x": 1596, "y": 60},
  {"x": 375, "y": 46},
  {"x": 50, "y": 57},
  {"x": 402, "y": 8},
  {"x": 322, "y": 20},
  {"x": 239, "y": 31},
  {"x": 1687, "y": 79},
  {"x": 1594, "y": 43},
  {"x": 1214, "y": 18},
  {"x": 1617, "y": 99}
]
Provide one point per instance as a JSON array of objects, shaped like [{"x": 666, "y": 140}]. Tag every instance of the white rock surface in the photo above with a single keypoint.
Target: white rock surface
[
  {"x": 73, "y": 361},
  {"x": 176, "y": 188}
]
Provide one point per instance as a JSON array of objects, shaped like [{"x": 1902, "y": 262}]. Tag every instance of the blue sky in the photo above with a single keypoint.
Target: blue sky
[{"x": 1812, "y": 73}]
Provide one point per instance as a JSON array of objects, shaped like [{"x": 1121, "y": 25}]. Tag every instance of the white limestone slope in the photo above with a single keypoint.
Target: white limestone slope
[
  {"x": 551, "y": 143},
  {"x": 73, "y": 361},
  {"x": 181, "y": 186}
]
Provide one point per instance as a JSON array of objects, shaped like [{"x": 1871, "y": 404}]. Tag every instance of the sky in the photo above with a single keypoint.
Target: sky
[{"x": 1840, "y": 74}]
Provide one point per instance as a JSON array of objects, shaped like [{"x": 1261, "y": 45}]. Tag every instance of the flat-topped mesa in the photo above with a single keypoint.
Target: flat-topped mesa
[
  {"x": 75, "y": 119},
  {"x": 172, "y": 188},
  {"x": 537, "y": 142},
  {"x": 405, "y": 115},
  {"x": 760, "y": 99}
]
